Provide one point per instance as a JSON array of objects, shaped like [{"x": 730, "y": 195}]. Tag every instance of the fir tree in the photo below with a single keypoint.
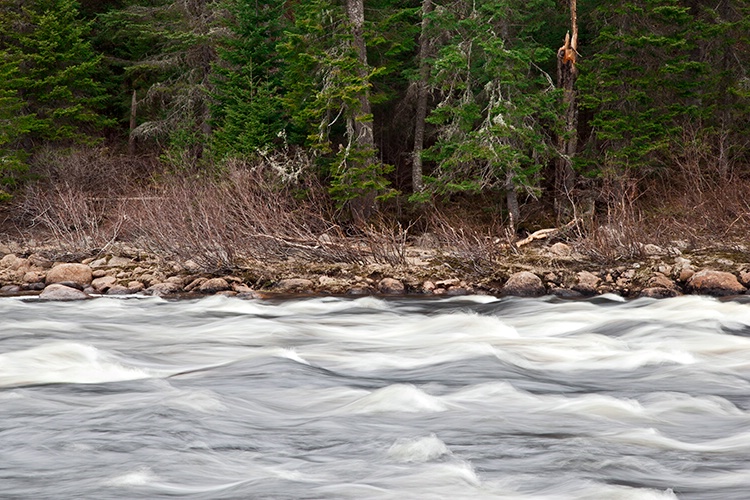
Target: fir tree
[
  {"x": 47, "y": 89},
  {"x": 496, "y": 103},
  {"x": 328, "y": 84},
  {"x": 247, "y": 112}
]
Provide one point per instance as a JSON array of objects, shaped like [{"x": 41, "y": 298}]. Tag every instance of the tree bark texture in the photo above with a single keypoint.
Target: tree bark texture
[
  {"x": 133, "y": 113},
  {"x": 363, "y": 123},
  {"x": 567, "y": 73},
  {"x": 421, "y": 112},
  {"x": 363, "y": 206}
]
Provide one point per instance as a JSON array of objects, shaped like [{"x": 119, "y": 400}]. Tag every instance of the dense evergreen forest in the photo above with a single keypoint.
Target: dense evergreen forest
[{"x": 525, "y": 114}]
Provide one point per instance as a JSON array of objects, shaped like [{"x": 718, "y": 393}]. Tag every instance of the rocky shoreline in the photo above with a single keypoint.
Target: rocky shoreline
[{"x": 542, "y": 270}]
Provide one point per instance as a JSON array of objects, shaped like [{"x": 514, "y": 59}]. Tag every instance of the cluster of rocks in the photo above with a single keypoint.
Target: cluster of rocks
[{"x": 665, "y": 276}]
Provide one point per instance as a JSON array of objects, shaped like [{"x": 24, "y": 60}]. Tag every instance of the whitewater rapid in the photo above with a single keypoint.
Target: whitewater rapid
[{"x": 327, "y": 398}]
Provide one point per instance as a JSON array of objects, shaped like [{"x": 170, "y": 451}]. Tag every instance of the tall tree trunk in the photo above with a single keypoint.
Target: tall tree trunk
[
  {"x": 567, "y": 73},
  {"x": 363, "y": 206},
  {"x": 133, "y": 113},
  {"x": 421, "y": 114},
  {"x": 511, "y": 199}
]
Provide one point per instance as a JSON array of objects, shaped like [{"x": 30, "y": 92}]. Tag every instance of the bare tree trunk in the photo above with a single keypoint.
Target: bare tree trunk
[
  {"x": 364, "y": 138},
  {"x": 567, "y": 73},
  {"x": 133, "y": 112},
  {"x": 363, "y": 127},
  {"x": 511, "y": 198},
  {"x": 419, "y": 126}
]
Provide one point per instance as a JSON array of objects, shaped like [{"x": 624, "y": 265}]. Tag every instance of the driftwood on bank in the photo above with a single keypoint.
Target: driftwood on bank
[{"x": 545, "y": 233}]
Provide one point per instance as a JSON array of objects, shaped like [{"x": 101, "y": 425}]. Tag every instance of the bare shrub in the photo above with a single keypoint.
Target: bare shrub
[
  {"x": 479, "y": 248},
  {"x": 94, "y": 171},
  {"x": 79, "y": 196},
  {"x": 248, "y": 213},
  {"x": 76, "y": 221},
  {"x": 616, "y": 233},
  {"x": 386, "y": 241}
]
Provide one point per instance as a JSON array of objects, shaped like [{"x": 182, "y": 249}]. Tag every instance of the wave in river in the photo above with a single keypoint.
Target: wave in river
[{"x": 467, "y": 397}]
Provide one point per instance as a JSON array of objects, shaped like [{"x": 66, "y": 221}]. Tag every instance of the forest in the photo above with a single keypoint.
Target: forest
[{"x": 222, "y": 127}]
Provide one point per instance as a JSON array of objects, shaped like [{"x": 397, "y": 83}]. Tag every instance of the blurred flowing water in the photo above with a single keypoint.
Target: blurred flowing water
[{"x": 328, "y": 398}]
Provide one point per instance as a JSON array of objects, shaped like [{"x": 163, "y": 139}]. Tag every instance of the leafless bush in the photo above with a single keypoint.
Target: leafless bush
[
  {"x": 94, "y": 171},
  {"x": 617, "y": 232},
  {"x": 386, "y": 241},
  {"x": 479, "y": 248},
  {"x": 78, "y": 197},
  {"x": 251, "y": 212},
  {"x": 76, "y": 221}
]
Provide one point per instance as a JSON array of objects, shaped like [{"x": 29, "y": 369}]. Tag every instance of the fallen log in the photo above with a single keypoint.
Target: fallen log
[{"x": 545, "y": 233}]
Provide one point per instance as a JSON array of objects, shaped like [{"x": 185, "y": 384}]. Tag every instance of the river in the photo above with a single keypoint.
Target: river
[{"x": 368, "y": 398}]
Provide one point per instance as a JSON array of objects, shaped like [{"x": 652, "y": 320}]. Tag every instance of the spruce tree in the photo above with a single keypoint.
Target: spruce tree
[
  {"x": 328, "y": 83},
  {"x": 497, "y": 105},
  {"x": 56, "y": 79},
  {"x": 48, "y": 94},
  {"x": 167, "y": 50},
  {"x": 247, "y": 112},
  {"x": 642, "y": 83}
]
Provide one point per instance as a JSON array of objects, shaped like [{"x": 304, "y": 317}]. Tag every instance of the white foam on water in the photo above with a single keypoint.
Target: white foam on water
[
  {"x": 403, "y": 398},
  {"x": 292, "y": 354},
  {"x": 65, "y": 362},
  {"x": 650, "y": 437},
  {"x": 503, "y": 395},
  {"x": 140, "y": 477},
  {"x": 664, "y": 405},
  {"x": 423, "y": 449}
]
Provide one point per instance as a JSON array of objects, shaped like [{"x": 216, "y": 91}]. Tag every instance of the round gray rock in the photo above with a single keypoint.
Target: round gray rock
[
  {"x": 524, "y": 284},
  {"x": 716, "y": 283},
  {"x": 57, "y": 291},
  {"x": 390, "y": 286},
  {"x": 73, "y": 273}
]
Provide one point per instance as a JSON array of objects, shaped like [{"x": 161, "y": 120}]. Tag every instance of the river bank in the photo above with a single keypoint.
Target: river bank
[{"x": 537, "y": 269}]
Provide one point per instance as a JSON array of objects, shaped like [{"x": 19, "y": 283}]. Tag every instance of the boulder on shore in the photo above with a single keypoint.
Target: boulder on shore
[
  {"x": 586, "y": 283},
  {"x": 524, "y": 284},
  {"x": 162, "y": 289},
  {"x": 79, "y": 274},
  {"x": 390, "y": 286},
  {"x": 659, "y": 292},
  {"x": 716, "y": 283},
  {"x": 101, "y": 285},
  {"x": 214, "y": 285},
  {"x": 57, "y": 291},
  {"x": 294, "y": 285}
]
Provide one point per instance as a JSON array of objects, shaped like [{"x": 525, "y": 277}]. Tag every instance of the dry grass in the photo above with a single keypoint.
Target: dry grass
[
  {"x": 274, "y": 210},
  {"x": 249, "y": 212}
]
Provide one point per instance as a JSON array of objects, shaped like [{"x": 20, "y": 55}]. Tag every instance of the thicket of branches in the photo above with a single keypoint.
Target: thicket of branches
[{"x": 283, "y": 122}]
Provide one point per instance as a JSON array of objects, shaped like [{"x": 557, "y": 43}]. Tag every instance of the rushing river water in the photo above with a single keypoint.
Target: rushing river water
[{"x": 366, "y": 398}]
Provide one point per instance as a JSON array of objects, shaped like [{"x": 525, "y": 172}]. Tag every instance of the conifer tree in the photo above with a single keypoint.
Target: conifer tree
[
  {"x": 247, "y": 112},
  {"x": 328, "y": 82},
  {"x": 642, "y": 82},
  {"x": 48, "y": 93},
  {"x": 496, "y": 106},
  {"x": 167, "y": 50}
]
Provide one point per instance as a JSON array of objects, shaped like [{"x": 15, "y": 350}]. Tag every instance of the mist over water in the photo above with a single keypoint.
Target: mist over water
[{"x": 328, "y": 398}]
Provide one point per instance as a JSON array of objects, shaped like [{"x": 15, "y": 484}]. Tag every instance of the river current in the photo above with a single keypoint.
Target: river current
[{"x": 330, "y": 398}]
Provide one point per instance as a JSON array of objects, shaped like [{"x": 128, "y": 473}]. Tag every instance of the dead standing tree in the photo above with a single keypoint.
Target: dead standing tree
[{"x": 567, "y": 73}]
